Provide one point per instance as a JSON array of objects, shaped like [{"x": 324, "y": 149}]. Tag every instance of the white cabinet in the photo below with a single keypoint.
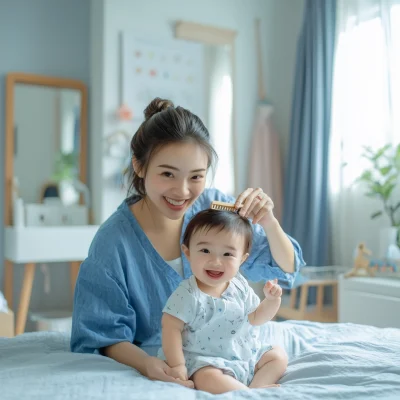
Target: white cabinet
[{"x": 370, "y": 301}]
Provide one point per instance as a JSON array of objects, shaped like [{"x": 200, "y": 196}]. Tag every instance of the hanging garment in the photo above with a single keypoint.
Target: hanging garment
[{"x": 265, "y": 166}]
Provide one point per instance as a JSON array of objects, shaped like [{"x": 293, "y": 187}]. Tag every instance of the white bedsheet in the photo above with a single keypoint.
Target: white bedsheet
[{"x": 326, "y": 361}]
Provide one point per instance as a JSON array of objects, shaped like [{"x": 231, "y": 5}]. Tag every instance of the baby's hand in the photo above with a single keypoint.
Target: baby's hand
[
  {"x": 179, "y": 372},
  {"x": 272, "y": 290}
]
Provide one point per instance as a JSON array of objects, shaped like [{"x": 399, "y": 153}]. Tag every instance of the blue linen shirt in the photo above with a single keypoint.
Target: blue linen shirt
[{"x": 124, "y": 284}]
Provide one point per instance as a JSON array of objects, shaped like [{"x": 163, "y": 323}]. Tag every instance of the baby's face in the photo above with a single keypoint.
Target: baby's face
[{"x": 215, "y": 256}]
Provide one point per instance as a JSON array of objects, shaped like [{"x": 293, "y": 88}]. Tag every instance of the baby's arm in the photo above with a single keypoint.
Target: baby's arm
[
  {"x": 172, "y": 328},
  {"x": 269, "y": 306}
]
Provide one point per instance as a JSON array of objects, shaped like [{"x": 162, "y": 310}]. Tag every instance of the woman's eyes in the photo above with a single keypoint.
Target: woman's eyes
[{"x": 170, "y": 175}]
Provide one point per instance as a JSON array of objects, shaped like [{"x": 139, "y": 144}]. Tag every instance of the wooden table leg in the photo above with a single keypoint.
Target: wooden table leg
[
  {"x": 74, "y": 269},
  {"x": 335, "y": 299},
  {"x": 293, "y": 298},
  {"x": 25, "y": 298},
  {"x": 9, "y": 282},
  {"x": 320, "y": 298},
  {"x": 303, "y": 301}
]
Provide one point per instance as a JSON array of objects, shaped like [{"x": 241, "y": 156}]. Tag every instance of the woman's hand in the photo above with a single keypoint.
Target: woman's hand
[
  {"x": 158, "y": 370},
  {"x": 255, "y": 205},
  {"x": 179, "y": 372}
]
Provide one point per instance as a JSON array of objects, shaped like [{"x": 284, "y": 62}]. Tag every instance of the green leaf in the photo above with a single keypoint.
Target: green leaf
[
  {"x": 365, "y": 177},
  {"x": 387, "y": 191},
  {"x": 377, "y": 188},
  {"x": 381, "y": 152},
  {"x": 385, "y": 170},
  {"x": 376, "y": 214}
]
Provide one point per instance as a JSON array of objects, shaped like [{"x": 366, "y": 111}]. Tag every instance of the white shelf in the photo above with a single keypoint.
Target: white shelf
[{"x": 48, "y": 244}]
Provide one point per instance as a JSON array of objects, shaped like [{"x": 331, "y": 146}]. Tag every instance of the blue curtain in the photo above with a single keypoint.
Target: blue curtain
[{"x": 306, "y": 209}]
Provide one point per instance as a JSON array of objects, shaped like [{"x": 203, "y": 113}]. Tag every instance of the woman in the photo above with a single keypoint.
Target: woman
[{"x": 135, "y": 260}]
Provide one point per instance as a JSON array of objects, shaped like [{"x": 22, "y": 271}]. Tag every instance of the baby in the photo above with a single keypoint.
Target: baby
[{"x": 210, "y": 324}]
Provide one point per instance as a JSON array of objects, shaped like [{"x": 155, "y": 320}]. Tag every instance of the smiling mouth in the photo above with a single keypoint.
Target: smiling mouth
[
  {"x": 174, "y": 202},
  {"x": 214, "y": 274}
]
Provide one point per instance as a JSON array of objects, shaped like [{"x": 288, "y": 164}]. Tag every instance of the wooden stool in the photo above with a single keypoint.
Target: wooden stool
[{"x": 320, "y": 313}]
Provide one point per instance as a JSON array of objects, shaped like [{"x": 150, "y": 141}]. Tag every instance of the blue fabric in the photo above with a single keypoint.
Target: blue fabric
[
  {"x": 306, "y": 210},
  {"x": 124, "y": 283}
]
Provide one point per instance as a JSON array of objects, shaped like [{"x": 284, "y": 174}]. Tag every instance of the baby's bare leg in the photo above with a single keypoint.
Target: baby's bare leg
[
  {"x": 213, "y": 380},
  {"x": 269, "y": 369}
]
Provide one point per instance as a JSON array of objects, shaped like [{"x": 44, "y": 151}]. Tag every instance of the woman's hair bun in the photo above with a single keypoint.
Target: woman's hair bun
[{"x": 157, "y": 105}]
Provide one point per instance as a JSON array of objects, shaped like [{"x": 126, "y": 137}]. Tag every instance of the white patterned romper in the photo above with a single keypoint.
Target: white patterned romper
[{"x": 217, "y": 331}]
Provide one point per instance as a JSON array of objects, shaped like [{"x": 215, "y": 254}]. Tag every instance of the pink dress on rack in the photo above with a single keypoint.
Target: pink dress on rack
[{"x": 265, "y": 165}]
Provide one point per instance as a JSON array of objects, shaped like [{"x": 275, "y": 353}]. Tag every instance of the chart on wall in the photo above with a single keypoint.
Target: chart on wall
[{"x": 172, "y": 69}]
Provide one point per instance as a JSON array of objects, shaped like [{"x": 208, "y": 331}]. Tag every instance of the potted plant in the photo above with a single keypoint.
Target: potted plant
[{"x": 382, "y": 180}]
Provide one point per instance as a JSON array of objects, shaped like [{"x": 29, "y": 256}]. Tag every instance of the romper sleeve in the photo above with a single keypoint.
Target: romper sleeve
[
  {"x": 250, "y": 299},
  {"x": 182, "y": 303},
  {"x": 260, "y": 265},
  {"x": 102, "y": 315}
]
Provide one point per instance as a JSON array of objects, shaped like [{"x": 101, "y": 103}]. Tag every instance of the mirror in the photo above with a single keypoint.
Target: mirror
[
  {"x": 45, "y": 140},
  {"x": 218, "y": 112},
  {"x": 218, "y": 61},
  {"x": 46, "y": 136}
]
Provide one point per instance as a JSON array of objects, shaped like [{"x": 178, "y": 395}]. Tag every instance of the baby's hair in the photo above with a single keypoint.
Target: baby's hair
[
  {"x": 222, "y": 221},
  {"x": 165, "y": 124}
]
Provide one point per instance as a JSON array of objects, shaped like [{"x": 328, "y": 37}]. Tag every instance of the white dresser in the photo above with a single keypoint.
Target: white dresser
[{"x": 369, "y": 301}]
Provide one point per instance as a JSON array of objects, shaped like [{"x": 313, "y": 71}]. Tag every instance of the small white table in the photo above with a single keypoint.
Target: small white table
[
  {"x": 370, "y": 301},
  {"x": 32, "y": 245}
]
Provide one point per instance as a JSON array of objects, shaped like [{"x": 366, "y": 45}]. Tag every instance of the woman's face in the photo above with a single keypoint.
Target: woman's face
[{"x": 175, "y": 178}]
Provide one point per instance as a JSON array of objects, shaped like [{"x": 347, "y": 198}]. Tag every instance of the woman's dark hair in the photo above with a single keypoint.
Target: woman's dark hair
[
  {"x": 221, "y": 220},
  {"x": 165, "y": 124}
]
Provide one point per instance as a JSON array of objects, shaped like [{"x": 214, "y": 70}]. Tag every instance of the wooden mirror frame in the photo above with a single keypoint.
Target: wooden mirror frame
[
  {"x": 215, "y": 36},
  {"x": 39, "y": 80}
]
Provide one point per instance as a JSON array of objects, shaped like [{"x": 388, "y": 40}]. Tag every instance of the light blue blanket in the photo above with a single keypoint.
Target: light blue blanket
[{"x": 326, "y": 361}]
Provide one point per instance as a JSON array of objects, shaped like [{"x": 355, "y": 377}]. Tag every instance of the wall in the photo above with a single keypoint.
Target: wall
[
  {"x": 79, "y": 39},
  {"x": 281, "y": 20},
  {"x": 48, "y": 37}
]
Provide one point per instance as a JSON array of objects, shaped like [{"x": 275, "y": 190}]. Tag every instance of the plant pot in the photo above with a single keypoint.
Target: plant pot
[{"x": 387, "y": 237}]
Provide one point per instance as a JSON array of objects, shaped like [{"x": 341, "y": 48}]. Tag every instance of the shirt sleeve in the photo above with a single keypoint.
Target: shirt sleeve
[
  {"x": 182, "y": 304},
  {"x": 102, "y": 315},
  {"x": 250, "y": 299},
  {"x": 260, "y": 265}
]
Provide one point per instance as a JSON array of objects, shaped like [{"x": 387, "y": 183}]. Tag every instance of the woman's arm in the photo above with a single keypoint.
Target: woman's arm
[
  {"x": 128, "y": 354},
  {"x": 282, "y": 249},
  {"x": 172, "y": 328},
  {"x": 152, "y": 367}
]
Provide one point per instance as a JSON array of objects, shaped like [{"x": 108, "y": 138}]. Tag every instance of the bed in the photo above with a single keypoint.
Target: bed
[{"x": 326, "y": 361}]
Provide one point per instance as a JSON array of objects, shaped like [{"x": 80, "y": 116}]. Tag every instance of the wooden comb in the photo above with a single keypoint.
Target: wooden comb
[{"x": 221, "y": 206}]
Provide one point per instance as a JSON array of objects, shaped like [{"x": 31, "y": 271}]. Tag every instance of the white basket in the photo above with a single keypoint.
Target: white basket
[
  {"x": 322, "y": 273},
  {"x": 55, "y": 321}
]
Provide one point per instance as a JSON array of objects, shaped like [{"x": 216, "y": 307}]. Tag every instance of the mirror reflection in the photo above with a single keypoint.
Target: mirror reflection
[
  {"x": 46, "y": 142},
  {"x": 218, "y": 112}
]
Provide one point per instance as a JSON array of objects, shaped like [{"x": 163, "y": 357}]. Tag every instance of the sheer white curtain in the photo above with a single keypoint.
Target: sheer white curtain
[{"x": 366, "y": 112}]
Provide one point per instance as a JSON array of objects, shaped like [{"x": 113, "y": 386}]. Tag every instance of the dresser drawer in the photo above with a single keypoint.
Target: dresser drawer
[{"x": 368, "y": 308}]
